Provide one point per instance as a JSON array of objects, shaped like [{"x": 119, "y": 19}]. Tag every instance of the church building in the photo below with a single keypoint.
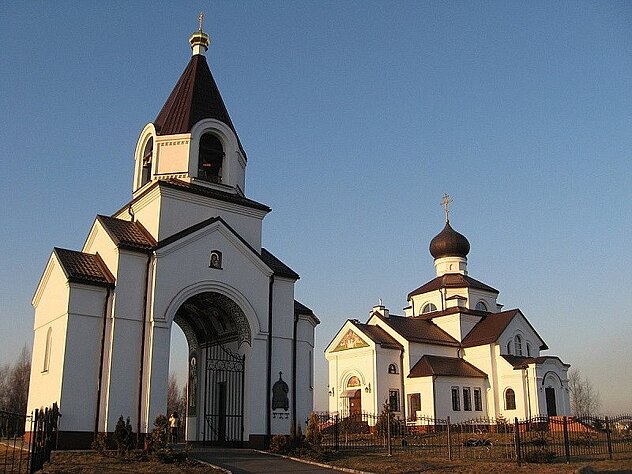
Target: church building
[
  {"x": 186, "y": 250},
  {"x": 455, "y": 352}
]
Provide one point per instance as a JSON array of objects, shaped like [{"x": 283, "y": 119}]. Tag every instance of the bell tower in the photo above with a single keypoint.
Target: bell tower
[{"x": 193, "y": 138}]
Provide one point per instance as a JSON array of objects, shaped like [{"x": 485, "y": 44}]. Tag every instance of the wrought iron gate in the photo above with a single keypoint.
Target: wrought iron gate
[{"x": 223, "y": 396}]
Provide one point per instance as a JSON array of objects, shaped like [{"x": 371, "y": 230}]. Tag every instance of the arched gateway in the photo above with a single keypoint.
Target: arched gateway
[{"x": 186, "y": 250}]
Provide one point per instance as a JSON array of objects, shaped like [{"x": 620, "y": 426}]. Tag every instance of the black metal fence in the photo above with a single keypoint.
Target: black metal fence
[
  {"x": 538, "y": 439},
  {"x": 26, "y": 441}
]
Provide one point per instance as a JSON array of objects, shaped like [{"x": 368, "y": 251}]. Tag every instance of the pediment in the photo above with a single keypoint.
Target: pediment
[{"x": 350, "y": 340}]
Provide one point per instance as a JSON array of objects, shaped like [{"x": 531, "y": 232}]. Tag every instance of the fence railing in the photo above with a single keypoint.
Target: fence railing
[
  {"x": 26, "y": 441},
  {"x": 537, "y": 439}
]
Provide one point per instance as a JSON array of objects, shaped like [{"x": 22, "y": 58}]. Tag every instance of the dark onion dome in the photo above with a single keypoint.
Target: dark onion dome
[{"x": 449, "y": 243}]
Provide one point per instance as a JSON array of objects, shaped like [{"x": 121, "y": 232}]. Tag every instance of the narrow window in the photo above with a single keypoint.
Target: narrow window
[
  {"x": 478, "y": 401},
  {"x": 414, "y": 405},
  {"x": 481, "y": 306},
  {"x": 528, "y": 350},
  {"x": 393, "y": 399},
  {"x": 148, "y": 153},
  {"x": 392, "y": 369},
  {"x": 456, "y": 401},
  {"x": 311, "y": 371},
  {"x": 510, "y": 399},
  {"x": 509, "y": 348},
  {"x": 467, "y": 399},
  {"x": 428, "y": 308},
  {"x": 210, "y": 158},
  {"x": 518, "y": 345},
  {"x": 47, "y": 348}
]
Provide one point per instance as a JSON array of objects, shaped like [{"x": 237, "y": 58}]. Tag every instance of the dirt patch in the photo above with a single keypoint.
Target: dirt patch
[
  {"x": 90, "y": 462},
  {"x": 409, "y": 463}
]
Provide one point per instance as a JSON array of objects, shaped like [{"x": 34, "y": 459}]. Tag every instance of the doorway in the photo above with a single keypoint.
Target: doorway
[{"x": 551, "y": 407}]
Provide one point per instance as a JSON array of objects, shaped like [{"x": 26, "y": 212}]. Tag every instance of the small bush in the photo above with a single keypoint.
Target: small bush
[
  {"x": 313, "y": 434},
  {"x": 100, "y": 443},
  {"x": 279, "y": 444},
  {"x": 124, "y": 436},
  {"x": 540, "y": 456}
]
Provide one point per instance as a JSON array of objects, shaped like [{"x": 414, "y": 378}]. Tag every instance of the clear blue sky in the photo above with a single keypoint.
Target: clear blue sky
[{"x": 356, "y": 117}]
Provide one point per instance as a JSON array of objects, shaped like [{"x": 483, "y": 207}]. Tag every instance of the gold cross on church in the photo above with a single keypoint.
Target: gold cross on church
[
  {"x": 201, "y": 19},
  {"x": 445, "y": 202}
]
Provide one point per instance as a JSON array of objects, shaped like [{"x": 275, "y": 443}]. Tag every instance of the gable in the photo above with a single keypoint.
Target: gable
[{"x": 350, "y": 340}]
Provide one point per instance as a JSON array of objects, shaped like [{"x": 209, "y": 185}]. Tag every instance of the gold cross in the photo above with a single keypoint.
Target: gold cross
[
  {"x": 445, "y": 203},
  {"x": 201, "y": 19}
]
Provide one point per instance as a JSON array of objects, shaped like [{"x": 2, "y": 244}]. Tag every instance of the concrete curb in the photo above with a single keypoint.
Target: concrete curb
[
  {"x": 225, "y": 471},
  {"x": 314, "y": 463}
]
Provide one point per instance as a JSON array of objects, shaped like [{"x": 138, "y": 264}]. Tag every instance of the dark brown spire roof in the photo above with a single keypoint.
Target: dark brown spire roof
[
  {"x": 195, "y": 97},
  {"x": 449, "y": 243},
  {"x": 444, "y": 366},
  {"x": 452, "y": 280}
]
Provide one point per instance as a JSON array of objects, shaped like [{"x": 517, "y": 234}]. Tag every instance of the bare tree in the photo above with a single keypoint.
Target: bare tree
[
  {"x": 585, "y": 399},
  {"x": 176, "y": 397},
  {"x": 14, "y": 383}
]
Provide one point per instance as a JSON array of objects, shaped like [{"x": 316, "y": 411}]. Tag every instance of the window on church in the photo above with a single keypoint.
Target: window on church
[
  {"x": 392, "y": 369},
  {"x": 510, "y": 399},
  {"x": 509, "y": 348},
  {"x": 518, "y": 345},
  {"x": 414, "y": 405},
  {"x": 456, "y": 400},
  {"x": 210, "y": 159},
  {"x": 478, "y": 400},
  {"x": 148, "y": 153},
  {"x": 528, "y": 350},
  {"x": 393, "y": 399},
  {"x": 428, "y": 308},
  {"x": 49, "y": 342},
  {"x": 481, "y": 306},
  {"x": 353, "y": 382},
  {"x": 311, "y": 370},
  {"x": 467, "y": 399}
]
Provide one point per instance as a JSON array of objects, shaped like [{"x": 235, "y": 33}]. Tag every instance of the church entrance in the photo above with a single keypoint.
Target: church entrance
[
  {"x": 355, "y": 403},
  {"x": 215, "y": 328},
  {"x": 551, "y": 407}
]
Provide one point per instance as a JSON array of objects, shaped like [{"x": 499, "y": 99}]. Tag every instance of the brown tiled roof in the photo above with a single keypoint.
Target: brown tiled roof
[
  {"x": 489, "y": 329},
  {"x": 200, "y": 191},
  {"x": 195, "y": 97},
  {"x": 127, "y": 234},
  {"x": 378, "y": 335},
  {"x": 430, "y": 365},
  {"x": 452, "y": 310},
  {"x": 277, "y": 266},
  {"x": 419, "y": 330},
  {"x": 452, "y": 280},
  {"x": 519, "y": 362},
  {"x": 84, "y": 268},
  {"x": 300, "y": 308}
]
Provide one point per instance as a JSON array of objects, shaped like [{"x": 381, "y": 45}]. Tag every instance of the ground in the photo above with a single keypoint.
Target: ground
[{"x": 400, "y": 463}]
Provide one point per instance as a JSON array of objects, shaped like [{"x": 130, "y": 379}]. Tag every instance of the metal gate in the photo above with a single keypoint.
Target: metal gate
[{"x": 223, "y": 396}]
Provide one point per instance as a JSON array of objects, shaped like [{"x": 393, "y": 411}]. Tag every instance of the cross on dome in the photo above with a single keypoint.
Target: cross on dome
[
  {"x": 445, "y": 202},
  {"x": 200, "y": 20}
]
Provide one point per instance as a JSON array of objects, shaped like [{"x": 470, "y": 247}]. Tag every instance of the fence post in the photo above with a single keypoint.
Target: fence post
[
  {"x": 517, "y": 437},
  {"x": 388, "y": 432},
  {"x": 449, "y": 440},
  {"x": 336, "y": 432},
  {"x": 609, "y": 438},
  {"x": 567, "y": 447}
]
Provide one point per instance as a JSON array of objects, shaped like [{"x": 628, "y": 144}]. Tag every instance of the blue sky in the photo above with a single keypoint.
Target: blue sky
[{"x": 356, "y": 117}]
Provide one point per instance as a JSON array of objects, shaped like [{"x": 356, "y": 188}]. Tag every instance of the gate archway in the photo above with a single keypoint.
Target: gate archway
[{"x": 216, "y": 329}]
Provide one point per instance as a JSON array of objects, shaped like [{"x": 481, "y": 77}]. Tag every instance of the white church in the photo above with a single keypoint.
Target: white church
[
  {"x": 187, "y": 249},
  {"x": 455, "y": 352}
]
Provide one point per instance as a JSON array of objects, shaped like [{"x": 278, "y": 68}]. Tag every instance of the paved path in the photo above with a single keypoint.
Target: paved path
[{"x": 247, "y": 461}]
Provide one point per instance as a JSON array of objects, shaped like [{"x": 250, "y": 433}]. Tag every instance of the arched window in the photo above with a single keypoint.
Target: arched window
[
  {"x": 528, "y": 350},
  {"x": 148, "y": 153},
  {"x": 428, "y": 308},
  {"x": 353, "y": 382},
  {"x": 510, "y": 399},
  {"x": 210, "y": 158},
  {"x": 49, "y": 341},
  {"x": 509, "y": 348},
  {"x": 392, "y": 369},
  {"x": 518, "y": 345},
  {"x": 481, "y": 306}
]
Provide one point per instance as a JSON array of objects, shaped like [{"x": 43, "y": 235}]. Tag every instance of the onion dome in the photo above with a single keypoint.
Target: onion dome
[{"x": 449, "y": 243}]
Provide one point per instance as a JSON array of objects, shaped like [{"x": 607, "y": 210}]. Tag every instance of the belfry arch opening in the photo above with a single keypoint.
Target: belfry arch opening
[
  {"x": 148, "y": 153},
  {"x": 218, "y": 340},
  {"x": 210, "y": 158}
]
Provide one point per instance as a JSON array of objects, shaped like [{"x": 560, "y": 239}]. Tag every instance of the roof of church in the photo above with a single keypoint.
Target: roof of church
[
  {"x": 378, "y": 335},
  {"x": 452, "y": 310},
  {"x": 449, "y": 243},
  {"x": 489, "y": 329},
  {"x": 430, "y": 365},
  {"x": 127, "y": 234},
  {"x": 521, "y": 362},
  {"x": 419, "y": 330},
  {"x": 277, "y": 266},
  {"x": 195, "y": 97},
  {"x": 300, "y": 308},
  {"x": 84, "y": 268},
  {"x": 452, "y": 280}
]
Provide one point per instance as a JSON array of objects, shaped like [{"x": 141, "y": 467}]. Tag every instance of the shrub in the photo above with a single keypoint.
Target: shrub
[
  {"x": 313, "y": 434},
  {"x": 279, "y": 444},
  {"x": 540, "y": 456},
  {"x": 123, "y": 436},
  {"x": 100, "y": 443}
]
